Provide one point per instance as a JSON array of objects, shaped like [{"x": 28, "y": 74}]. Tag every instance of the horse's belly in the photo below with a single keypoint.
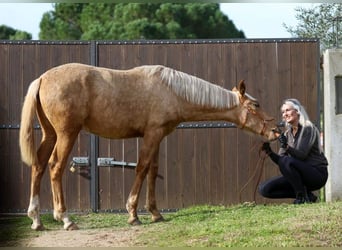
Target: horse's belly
[{"x": 107, "y": 130}]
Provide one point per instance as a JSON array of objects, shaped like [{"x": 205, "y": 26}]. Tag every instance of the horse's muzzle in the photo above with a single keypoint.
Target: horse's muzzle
[
  {"x": 278, "y": 130},
  {"x": 281, "y": 124}
]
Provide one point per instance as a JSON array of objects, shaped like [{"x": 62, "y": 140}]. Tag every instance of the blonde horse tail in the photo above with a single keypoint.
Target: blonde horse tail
[{"x": 26, "y": 135}]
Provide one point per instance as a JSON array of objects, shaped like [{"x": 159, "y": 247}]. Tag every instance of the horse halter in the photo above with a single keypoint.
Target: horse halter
[{"x": 253, "y": 112}]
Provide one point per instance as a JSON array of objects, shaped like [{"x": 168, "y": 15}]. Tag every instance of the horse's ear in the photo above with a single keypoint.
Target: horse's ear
[{"x": 242, "y": 87}]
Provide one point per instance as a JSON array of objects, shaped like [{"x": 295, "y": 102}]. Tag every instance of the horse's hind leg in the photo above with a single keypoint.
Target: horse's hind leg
[
  {"x": 37, "y": 172},
  {"x": 58, "y": 160},
  {"x": 44, "y": 151}
]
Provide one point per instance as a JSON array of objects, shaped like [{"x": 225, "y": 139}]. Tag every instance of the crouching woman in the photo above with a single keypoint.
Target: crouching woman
[{"x": 301, "y": 161}]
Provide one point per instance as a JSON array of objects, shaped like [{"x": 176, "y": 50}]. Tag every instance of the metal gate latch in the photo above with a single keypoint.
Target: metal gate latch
[
  {"x": 78, "y": 161},
  {"x": 101, "y": 162},
  {"x": 112, "y": 162}
]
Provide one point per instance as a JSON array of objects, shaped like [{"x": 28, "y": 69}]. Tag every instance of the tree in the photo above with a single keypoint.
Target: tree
[
  {"x": 318, "y": 22},
  {"x": 8, "y": 33},
  {"x": 62, "y": 23},
  {"x": 87, "y": 21}
]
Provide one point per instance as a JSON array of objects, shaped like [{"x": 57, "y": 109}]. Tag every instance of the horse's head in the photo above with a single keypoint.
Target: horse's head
[{"x": 252, "y": 118}]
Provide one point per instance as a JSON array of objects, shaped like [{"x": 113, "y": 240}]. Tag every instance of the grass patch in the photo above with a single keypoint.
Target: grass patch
[{"x": 284, "y": 225}]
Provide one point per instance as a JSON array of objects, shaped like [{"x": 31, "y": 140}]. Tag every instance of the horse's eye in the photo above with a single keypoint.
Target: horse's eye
[{"x": 256, "y": 105}]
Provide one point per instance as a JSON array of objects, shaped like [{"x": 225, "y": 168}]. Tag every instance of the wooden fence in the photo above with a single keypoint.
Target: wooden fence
[{"x": 200, "y": 163}]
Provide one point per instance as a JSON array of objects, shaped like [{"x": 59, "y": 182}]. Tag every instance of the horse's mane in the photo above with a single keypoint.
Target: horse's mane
[{"x": 193, "y": 89}]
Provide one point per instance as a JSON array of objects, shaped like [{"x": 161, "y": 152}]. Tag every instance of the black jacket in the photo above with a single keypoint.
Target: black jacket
[{"x": 304, "y": 151}]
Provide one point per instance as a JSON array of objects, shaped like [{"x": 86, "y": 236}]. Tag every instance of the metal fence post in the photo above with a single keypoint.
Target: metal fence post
[{"x": 94, "y": 146}]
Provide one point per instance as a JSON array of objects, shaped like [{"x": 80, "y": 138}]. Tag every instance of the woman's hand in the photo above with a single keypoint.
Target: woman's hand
[
  {"x": 283, "y": 141},
  {"x": 266, "y": 148}
]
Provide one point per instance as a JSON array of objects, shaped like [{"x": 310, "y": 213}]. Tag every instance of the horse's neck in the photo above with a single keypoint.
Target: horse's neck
[{"x": 210, "y": 114}]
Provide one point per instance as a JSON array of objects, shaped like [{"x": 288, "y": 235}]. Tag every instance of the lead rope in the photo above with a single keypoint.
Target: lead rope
[{"x": 258, "y": 170}]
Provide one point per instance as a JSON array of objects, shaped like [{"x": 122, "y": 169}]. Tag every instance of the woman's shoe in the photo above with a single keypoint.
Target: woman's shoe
[
  {"x": 301, "y": 198},
  {"x": 312, "y": 198}
]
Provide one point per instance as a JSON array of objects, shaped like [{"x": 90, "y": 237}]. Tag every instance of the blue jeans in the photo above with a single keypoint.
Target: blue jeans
[{"x": 297, "y": 177}]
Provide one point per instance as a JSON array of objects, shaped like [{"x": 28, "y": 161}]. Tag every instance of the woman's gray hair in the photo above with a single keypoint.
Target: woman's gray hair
[{"x": 304, "y": 120}]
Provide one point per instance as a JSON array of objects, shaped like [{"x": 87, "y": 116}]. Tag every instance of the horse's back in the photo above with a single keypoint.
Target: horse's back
[{"x": 111, "y": 103}]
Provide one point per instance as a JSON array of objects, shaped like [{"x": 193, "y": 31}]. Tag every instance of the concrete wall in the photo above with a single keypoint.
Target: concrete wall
[{"x": 333, "y": 124}]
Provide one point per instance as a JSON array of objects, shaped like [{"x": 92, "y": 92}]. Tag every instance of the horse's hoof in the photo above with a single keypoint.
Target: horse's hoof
[
  {"x": 72, "y": 226},
  {"x": 135, "y": 222},
  {"x": 38, "y": 227},
  {"x": 158, "y": 219}
]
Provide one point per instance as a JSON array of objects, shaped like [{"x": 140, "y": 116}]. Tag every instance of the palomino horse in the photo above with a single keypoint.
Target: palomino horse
[{"x": 147, "y": 101}]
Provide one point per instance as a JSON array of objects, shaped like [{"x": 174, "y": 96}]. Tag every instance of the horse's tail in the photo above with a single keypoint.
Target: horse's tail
[{"x": 26, "y": 135}]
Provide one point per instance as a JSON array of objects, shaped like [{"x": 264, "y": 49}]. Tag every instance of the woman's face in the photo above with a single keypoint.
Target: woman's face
[{"x": 290, "y": 115}]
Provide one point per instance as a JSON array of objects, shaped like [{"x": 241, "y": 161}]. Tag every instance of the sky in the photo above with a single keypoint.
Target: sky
[{"x": 256, "y": 20}]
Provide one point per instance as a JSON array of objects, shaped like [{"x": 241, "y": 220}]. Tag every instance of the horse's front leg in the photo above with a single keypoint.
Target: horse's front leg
[
  {"x": 133, "y": 198},
  {"x": 148, "y": 153},
  {"x": 151, "y": 203}
]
